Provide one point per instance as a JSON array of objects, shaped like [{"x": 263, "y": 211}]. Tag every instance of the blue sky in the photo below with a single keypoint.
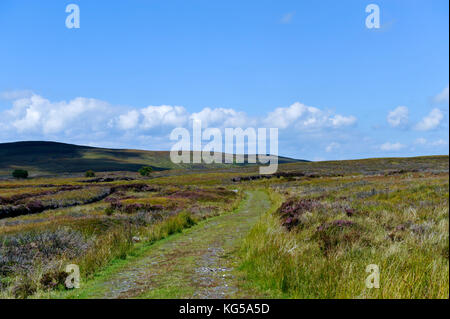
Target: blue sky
[{"x": 136, "y": 69}]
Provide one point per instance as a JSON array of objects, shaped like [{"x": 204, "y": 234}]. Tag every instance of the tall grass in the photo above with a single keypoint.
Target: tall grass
[{"x": 293, "y": 265}]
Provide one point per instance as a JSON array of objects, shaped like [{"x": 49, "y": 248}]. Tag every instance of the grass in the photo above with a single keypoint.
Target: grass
[
  {"x": 107, "y": 236},
  {"x": 116, "y": 264},
  {"x": 335, "y": 219},
  {"x": 177, "y": 273},
  {"x": 322, "y": 250}
]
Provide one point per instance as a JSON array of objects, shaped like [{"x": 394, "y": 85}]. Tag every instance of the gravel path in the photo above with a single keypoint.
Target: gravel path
[{"x": 198, "y": 263}]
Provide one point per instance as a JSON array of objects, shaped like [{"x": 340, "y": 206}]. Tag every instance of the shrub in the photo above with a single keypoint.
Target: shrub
[
  {"x": 20, "y": 252},
  {"x": 53, "y": 279},
  {"x": 20, "y": 173},
  {"x": 336, "y": 233},
  {"x": 89, "y": 173},
  {"x": 292, "y": 210},
  {"x": 145, "y": 170}
]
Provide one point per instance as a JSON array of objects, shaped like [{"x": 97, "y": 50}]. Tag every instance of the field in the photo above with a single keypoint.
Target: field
[{"x": 308, "y": 231}]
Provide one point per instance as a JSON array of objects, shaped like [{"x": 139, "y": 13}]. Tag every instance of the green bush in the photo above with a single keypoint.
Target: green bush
[
  {"x": 145, "y": 170},
  {"x": 89, "y": 173},
  {"x": 20, "y": 173}
]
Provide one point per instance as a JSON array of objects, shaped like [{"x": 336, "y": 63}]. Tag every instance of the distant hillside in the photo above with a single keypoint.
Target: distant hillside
[{"x": 41, "y": 158}]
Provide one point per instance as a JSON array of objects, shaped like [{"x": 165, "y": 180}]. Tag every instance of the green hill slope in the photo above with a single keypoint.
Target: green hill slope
[{"x": 41, "y": 158}]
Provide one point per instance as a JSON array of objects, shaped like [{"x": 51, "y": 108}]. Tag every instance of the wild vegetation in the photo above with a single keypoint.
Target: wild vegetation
[
  {"x": 327, "y": 222},
  {"x": 20, "y": 173},
  {"x": 51, "y": 158},
  {"x": 322, "y": 233},
  {"x": 145, "y": 170},
  {"x": 44, "y": 227},
  {"x": 89, "y": 173}
]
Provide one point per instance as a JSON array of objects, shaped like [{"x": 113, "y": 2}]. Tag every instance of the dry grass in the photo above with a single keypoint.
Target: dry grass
[
  {"x": 321, "y": 250},
  {"x": 105, "y": 235}
]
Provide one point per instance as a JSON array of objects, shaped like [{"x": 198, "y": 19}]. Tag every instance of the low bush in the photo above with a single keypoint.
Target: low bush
[
  {"x": 89, "y": 173},
  {"x": 146, "y": 170},
  {"x": 20, "y": 173},
  {"x": 23, "y": 252}
]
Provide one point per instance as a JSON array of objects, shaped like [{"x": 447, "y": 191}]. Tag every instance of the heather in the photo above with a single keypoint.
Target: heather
[{"x": 322, "y": 234}]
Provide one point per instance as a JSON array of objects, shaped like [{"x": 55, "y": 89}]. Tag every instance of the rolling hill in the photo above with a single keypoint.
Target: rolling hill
[{"x": 44, "y": 158}]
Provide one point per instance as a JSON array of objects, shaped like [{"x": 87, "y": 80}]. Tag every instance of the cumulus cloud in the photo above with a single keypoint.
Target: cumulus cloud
[
  {"x": 221, "y": 117},
  {"x": 398, "y": 117},
  {"x": 431, "y": 121},
  {"x": 306, "y": 118},
  {"x": 164, "y": 115},
  {"x": 442, "y": 97},
  {"x": 95, "y": 122},
  {"x": 391, "y": 146},
  {"x": 37, "y": 114},
  {"x": 128, "y": 120},
  {"x": 151, "y": 117}
]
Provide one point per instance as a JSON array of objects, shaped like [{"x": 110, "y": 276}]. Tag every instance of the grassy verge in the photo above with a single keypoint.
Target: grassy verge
[
  {"x": 112, "y": 249},
  {"x": 158, "y": 236},
  {"x": 292, "y": 264}
]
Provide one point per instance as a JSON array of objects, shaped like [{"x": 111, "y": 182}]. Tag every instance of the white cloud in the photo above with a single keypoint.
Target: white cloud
[
  {"x": 95, "y": 122},
  {"x": 391, "y": 146},
  {"x": 442, "y": 97},
  {"x": 221, "y": 117},
  {"x": 284, "y": 117},
  {"x": 431, "y": 121},
  {"x": 398, "y": 117},
  {"x": 29, "y": 121},
  {"x": 61, "y": 116},
  {"x": 306, "y": 118},
  {"x": 341, "y": 121},
  {"x": 129, "y": 120},
  {"x": 164, "y": 115},
  {"x": 37, "y": 114}
]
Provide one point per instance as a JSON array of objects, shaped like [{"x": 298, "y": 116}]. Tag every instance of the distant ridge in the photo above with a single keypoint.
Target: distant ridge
[{"x": 42, "y": 157}]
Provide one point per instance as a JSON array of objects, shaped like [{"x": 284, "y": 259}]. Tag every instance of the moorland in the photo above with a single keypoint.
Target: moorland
[{"x": 308, "y": 231}]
